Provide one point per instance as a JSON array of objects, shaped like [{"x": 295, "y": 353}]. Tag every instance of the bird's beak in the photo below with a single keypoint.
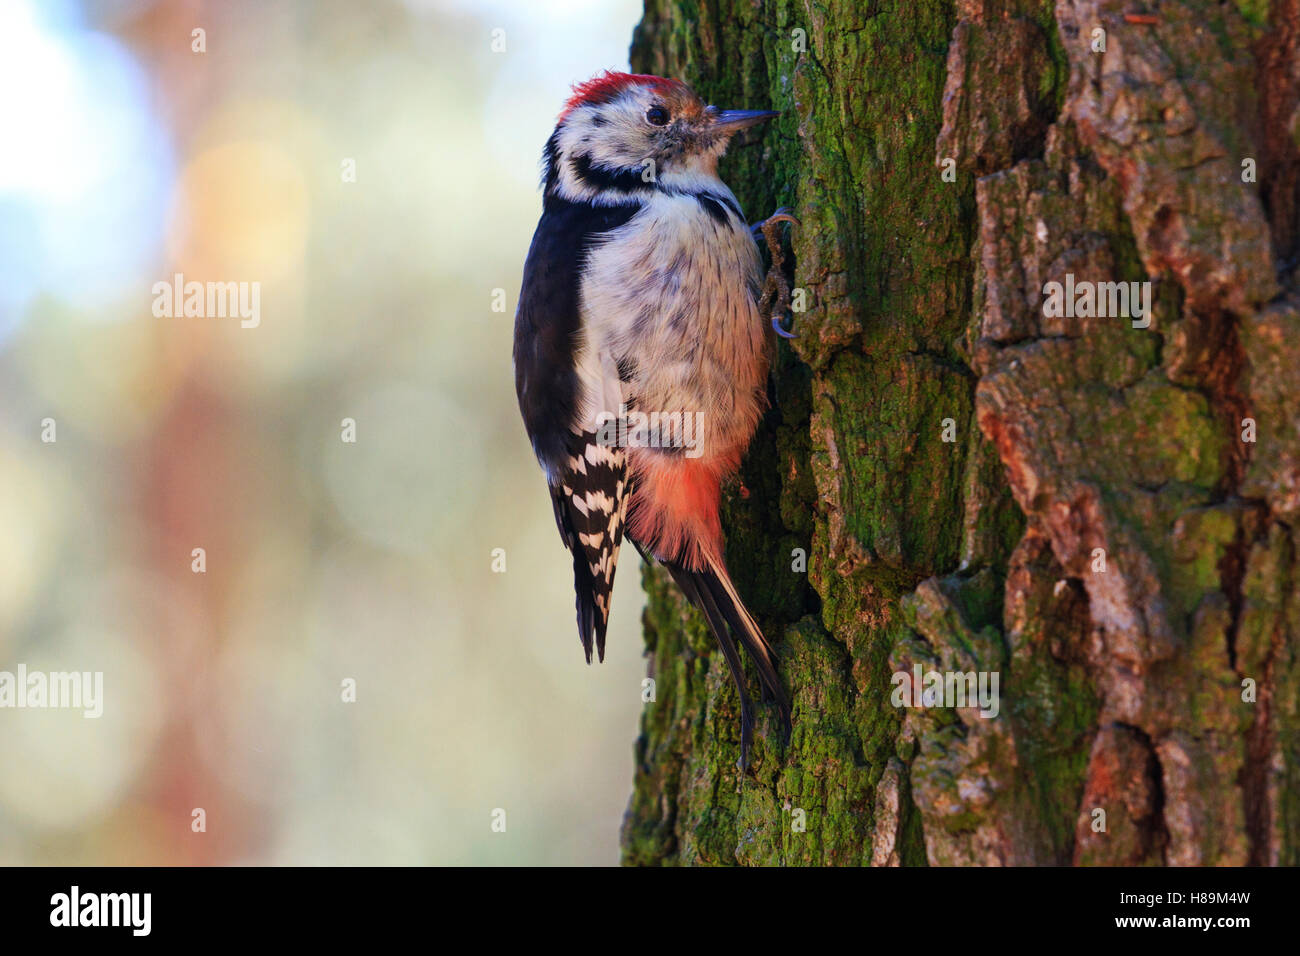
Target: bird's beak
[{"x": 732, "y": 121}]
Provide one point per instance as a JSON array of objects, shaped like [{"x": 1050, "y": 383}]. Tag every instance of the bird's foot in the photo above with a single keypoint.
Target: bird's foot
[
  {"x": 764, "y": 229},
  {"x": 774, "y": 303}
]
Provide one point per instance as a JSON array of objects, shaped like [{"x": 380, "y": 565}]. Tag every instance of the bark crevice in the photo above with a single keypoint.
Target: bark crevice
[{"x": 980, "y": 484}]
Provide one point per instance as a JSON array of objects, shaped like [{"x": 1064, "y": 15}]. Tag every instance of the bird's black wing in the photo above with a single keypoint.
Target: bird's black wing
[{"x": 587, "y": 479}]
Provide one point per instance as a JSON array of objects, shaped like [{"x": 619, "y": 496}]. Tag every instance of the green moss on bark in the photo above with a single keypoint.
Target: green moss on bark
[{"x": 950, "y": 460}]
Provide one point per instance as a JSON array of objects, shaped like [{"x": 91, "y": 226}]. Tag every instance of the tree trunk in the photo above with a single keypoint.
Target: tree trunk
[{"x": 1101, "y": 514}]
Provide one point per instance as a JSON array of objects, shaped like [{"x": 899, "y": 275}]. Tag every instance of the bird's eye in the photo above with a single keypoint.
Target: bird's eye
[{"x": 656, "y": 116}]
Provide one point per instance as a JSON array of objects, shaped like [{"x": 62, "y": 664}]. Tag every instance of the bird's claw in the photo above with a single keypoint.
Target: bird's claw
[
  {"x": 784, "y": 214},
  {"x": 779, "y": 330},
  {"x": 775, "y": 300},
  {"x": 767, "y": 227}
]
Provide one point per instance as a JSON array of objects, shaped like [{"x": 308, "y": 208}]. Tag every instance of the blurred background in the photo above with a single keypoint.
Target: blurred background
[{"x": 373, "y": 165}]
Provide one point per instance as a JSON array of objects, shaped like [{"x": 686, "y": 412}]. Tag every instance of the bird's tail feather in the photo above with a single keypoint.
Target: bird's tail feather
[
  {"x": 712, "y": 591},
  {"x": 747, "y": 629}
]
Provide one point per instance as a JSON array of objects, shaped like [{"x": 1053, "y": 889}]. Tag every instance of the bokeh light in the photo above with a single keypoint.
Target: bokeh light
[{"x": 372, "y": 167}]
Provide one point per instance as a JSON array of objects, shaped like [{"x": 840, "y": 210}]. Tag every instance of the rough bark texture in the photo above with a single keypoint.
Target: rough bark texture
[{"x": 1126, "y": 687}]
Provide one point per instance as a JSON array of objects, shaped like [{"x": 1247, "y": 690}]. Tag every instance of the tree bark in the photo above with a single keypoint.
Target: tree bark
[{"x": 1102, "y": 532}]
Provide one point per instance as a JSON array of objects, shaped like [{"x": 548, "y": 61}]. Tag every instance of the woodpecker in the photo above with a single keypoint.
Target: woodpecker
[{"x": 641, "y": 295}]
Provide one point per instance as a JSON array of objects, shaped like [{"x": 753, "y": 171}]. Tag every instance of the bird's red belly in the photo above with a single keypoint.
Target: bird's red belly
[{"x": 673, "y": 511}]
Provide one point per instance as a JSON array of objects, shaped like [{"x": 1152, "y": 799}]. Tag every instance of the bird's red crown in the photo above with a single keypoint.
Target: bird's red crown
[{"x": 603, "y": 87}]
